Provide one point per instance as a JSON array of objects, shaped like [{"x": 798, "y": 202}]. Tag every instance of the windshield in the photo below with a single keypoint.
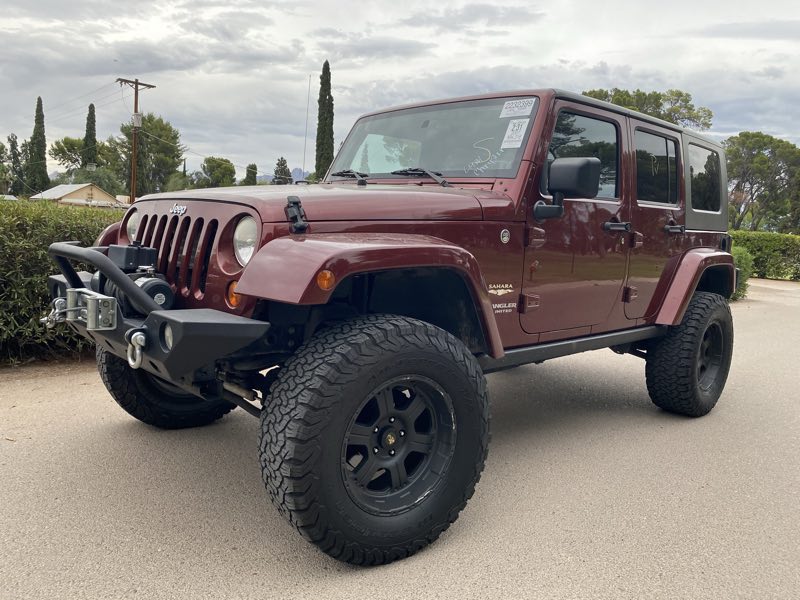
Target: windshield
[{"x": 476, "y": 138}]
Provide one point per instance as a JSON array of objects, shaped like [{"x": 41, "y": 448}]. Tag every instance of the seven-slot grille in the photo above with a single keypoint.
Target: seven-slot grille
[{"x": 184, "y": 249}]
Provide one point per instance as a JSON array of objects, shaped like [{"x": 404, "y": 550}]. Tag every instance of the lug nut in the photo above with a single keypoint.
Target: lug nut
[
  {"x": 391, "y": 419},
  {"x": 402, "y": 433},
  {"x": 391, "y": 452},
  {"x": 374, "y": 450},
  {"x": 375, "y": 430}
]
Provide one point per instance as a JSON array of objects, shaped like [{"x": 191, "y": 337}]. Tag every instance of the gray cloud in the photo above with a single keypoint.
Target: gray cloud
[
  {"x": 761, "y": 30},
  {"x": 491, "y": 15}
]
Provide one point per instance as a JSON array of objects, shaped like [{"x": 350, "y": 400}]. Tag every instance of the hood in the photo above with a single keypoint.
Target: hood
[{"x": 346, "y": 202}]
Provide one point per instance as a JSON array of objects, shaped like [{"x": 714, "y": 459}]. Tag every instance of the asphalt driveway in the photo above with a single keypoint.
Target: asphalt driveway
[{"x": 589, "y": 491}]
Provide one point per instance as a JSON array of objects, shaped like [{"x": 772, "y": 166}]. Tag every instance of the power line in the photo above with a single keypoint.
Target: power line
[
  {"x": 186, "y": 150},
  {"x": 72, "y": 115},
  {"x": 56, "y": 107},
  {"x": 79, "y": 109}
]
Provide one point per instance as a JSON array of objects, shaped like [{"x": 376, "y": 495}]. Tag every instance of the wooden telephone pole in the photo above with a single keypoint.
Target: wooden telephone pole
[{"x": 137, "y": 123}]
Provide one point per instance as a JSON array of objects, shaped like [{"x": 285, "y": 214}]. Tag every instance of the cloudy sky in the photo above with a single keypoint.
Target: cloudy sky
[{"x": 233, "y": 76}]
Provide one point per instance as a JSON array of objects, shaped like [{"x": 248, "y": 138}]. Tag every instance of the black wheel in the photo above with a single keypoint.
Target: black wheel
[
  {"x": 687, "y": 369},
  {"x": 152, "y": 400},
  {"x": 374, "y": 436}
]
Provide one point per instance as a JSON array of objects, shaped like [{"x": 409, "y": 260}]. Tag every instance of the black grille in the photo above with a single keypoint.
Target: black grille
[{"x": 184, "y": 248}]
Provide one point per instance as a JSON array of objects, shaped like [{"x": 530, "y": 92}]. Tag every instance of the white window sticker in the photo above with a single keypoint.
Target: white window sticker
[
  {"x": 515, "y": 133},
  {"x": 517, "y": 108}
]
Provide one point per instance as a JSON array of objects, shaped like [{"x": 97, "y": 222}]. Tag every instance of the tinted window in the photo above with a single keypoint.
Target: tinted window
[
  {"x": 656, "y": 168},
  {"x": 579, "y": 136},
  {"x": 704, "y": 171}
]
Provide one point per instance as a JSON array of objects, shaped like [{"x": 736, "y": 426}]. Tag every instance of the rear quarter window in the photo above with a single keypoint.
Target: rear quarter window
[
  {"x": 656, "y": 168},
  {"x": 704, "y": 178}
]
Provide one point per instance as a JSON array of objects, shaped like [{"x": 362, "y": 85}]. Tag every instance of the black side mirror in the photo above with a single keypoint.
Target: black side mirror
[{"x": 574, "y": 177}]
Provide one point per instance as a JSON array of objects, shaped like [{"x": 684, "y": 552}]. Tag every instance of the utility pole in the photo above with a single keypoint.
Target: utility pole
[{"x": 137, "y": 123}]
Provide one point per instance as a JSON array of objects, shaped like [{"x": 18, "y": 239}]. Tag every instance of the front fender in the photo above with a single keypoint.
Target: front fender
[
  {"x": 286, "y": 268},
  {"x": 688, "y": 274},
  {"x": 109, "y": 235}
]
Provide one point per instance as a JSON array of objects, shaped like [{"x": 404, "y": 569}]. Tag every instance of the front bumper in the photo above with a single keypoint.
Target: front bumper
[{"x": 199, "y": 337}]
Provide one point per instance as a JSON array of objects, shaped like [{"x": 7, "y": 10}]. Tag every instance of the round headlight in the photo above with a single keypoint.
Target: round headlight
[
  {"x": 244, "y": 240},
  {"x": 133, "y": 225}
]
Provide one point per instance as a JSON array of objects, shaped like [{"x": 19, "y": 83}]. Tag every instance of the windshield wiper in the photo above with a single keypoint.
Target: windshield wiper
[
  {"x": 361, "y": 177},
  {"x": 411, "y": 171}
]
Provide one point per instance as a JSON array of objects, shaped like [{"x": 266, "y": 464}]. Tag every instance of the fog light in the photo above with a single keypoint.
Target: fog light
[
  {"x": 234, "y": 299},
  {"x": 168, "y": 339},
  {"x": 326, "y": 280}
]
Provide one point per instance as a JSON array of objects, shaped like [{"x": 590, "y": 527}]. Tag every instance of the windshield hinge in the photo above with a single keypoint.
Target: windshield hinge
[{"x": 296, "y": 215}]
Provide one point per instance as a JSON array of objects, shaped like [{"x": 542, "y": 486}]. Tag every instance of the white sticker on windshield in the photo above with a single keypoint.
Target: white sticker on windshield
[
  {"x": 515, "y": 133},
  {"x": 517, "y": 108}
]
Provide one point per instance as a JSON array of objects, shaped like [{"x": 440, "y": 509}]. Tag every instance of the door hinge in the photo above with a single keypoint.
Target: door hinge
[
  {"x": 528, "y": 302},
  {"x": 629, "y": 293}
]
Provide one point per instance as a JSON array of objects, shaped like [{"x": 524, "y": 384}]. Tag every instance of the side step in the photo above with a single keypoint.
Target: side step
[{"x": 541, "y": 352}]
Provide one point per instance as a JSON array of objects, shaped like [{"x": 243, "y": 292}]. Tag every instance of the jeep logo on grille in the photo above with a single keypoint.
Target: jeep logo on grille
[{"x": 177, "y": 209}]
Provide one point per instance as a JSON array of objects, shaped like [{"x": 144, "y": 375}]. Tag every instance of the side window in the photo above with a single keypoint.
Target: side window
[
  {"x": 579, "y": 136},
  {"x": 656, "y": 168},
  {"x": 704, "y": 172}
]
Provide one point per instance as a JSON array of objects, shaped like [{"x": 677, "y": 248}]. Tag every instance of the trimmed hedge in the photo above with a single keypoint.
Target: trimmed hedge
[
  {"x": 26, "y": 230},
  {"x": 744, "y": 262},
  {"x": 775, "y": 255}
]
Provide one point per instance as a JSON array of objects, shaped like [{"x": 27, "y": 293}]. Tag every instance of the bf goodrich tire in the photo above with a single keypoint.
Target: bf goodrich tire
[
  {"x": 153, "y": 401},
  {"x": 687, "y": 369},
  {"x": 374, "y": 436}
]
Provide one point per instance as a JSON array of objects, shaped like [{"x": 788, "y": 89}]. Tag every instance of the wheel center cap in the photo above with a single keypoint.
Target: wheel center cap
[{"x": 389, "y": 438}]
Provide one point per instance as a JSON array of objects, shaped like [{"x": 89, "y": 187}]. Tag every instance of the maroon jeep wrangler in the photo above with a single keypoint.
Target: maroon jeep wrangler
[{"x": 357, "y": 318}]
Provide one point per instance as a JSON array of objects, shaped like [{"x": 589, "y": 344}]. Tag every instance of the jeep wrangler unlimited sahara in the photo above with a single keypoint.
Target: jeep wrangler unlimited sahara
[{"x": 357, "y": 318}]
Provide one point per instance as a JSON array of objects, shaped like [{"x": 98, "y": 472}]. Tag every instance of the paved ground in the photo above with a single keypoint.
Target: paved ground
[{"x": 589, "y": 491}]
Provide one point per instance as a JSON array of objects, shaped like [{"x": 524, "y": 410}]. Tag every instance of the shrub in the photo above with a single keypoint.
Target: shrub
[
  {"x": 744, "y": 262},
  {"x": 26, "y": 230},
  {"x": 775, "y": 255}
]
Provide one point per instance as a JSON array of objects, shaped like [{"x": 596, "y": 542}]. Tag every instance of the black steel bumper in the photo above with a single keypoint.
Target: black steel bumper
[{"x": 197, "y": 338}]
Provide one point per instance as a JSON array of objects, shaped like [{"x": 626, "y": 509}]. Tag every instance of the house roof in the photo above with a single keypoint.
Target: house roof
[
  {"x": 7, "y": 197},
  {"x": 60, "y": 191}
]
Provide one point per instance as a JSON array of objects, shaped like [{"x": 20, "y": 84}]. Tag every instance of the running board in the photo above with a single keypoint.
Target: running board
[{"x": 541, "y": 352}]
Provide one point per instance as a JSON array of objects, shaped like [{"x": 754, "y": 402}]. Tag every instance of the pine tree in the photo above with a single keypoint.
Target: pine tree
[
  {"x": 89, "y": 153},
  {"x": 18, "y": 173},
  {"x": 324, "y": 123},
  {"x": 282, "y": 171},
  {"x": 250, "y": 175},
  {"x": 36, "y": 164}
]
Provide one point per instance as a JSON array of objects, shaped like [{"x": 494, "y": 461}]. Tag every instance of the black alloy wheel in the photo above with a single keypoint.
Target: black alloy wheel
[{"x": 400, "y": 441}]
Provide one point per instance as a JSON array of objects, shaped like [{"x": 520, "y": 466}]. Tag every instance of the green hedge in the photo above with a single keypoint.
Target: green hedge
[
  {"x": 26, "y": 230},
  {"x": 744, "y": 262},
  {"x": 775, "y": 255}
]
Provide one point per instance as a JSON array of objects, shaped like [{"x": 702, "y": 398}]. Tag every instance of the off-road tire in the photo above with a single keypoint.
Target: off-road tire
[
  {"x": 316, "y": 398},
  {"x": 674, "y": 369},
  {"x": 147, "y": 399}
]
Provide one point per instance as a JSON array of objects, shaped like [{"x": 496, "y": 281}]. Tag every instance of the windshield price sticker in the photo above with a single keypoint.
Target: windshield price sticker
[
  {"x": 515, "y": 133},
  {"x": 517, "y": 108}
]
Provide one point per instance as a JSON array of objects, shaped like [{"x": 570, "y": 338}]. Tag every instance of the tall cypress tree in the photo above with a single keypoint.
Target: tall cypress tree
[
  {"x": 324, "y": 123},
  {"x": 36, "y": 164},
  {"x": 89, "y": 152},
  {"x": 17, "y": 185}
]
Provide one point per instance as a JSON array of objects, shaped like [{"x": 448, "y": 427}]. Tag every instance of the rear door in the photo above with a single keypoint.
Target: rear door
[{"x": 657, "y": 214}]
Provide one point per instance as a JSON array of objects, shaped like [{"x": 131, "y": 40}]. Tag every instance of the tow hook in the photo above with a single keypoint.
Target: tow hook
[{"x": 136, "y": 342}]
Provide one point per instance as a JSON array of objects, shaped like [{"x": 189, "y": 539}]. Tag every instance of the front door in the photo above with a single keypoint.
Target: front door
[
  {"x": 574, "y": 268},
  {"x": 656, "y": 213}
]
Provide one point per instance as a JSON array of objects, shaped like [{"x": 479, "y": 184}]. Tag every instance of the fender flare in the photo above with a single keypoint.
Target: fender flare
[
  {"x": 687, "y": 275},
  {"x": 285, "y": 269}
]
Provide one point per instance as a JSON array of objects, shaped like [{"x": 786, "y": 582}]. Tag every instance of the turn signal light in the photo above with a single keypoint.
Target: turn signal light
[
  {"x": 233, "y": 298},
  {"x": 326, "y": 280}
]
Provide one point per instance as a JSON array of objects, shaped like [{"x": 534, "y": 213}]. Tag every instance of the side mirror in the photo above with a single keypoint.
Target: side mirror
[
  {"x": 542, "y": 211},
  {"x": 574, "y": 178}
]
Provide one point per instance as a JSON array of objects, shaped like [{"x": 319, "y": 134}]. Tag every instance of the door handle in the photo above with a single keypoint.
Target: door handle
[
  {"x": 616, "y": 226},
  {"x": 672, "y": 227}
]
